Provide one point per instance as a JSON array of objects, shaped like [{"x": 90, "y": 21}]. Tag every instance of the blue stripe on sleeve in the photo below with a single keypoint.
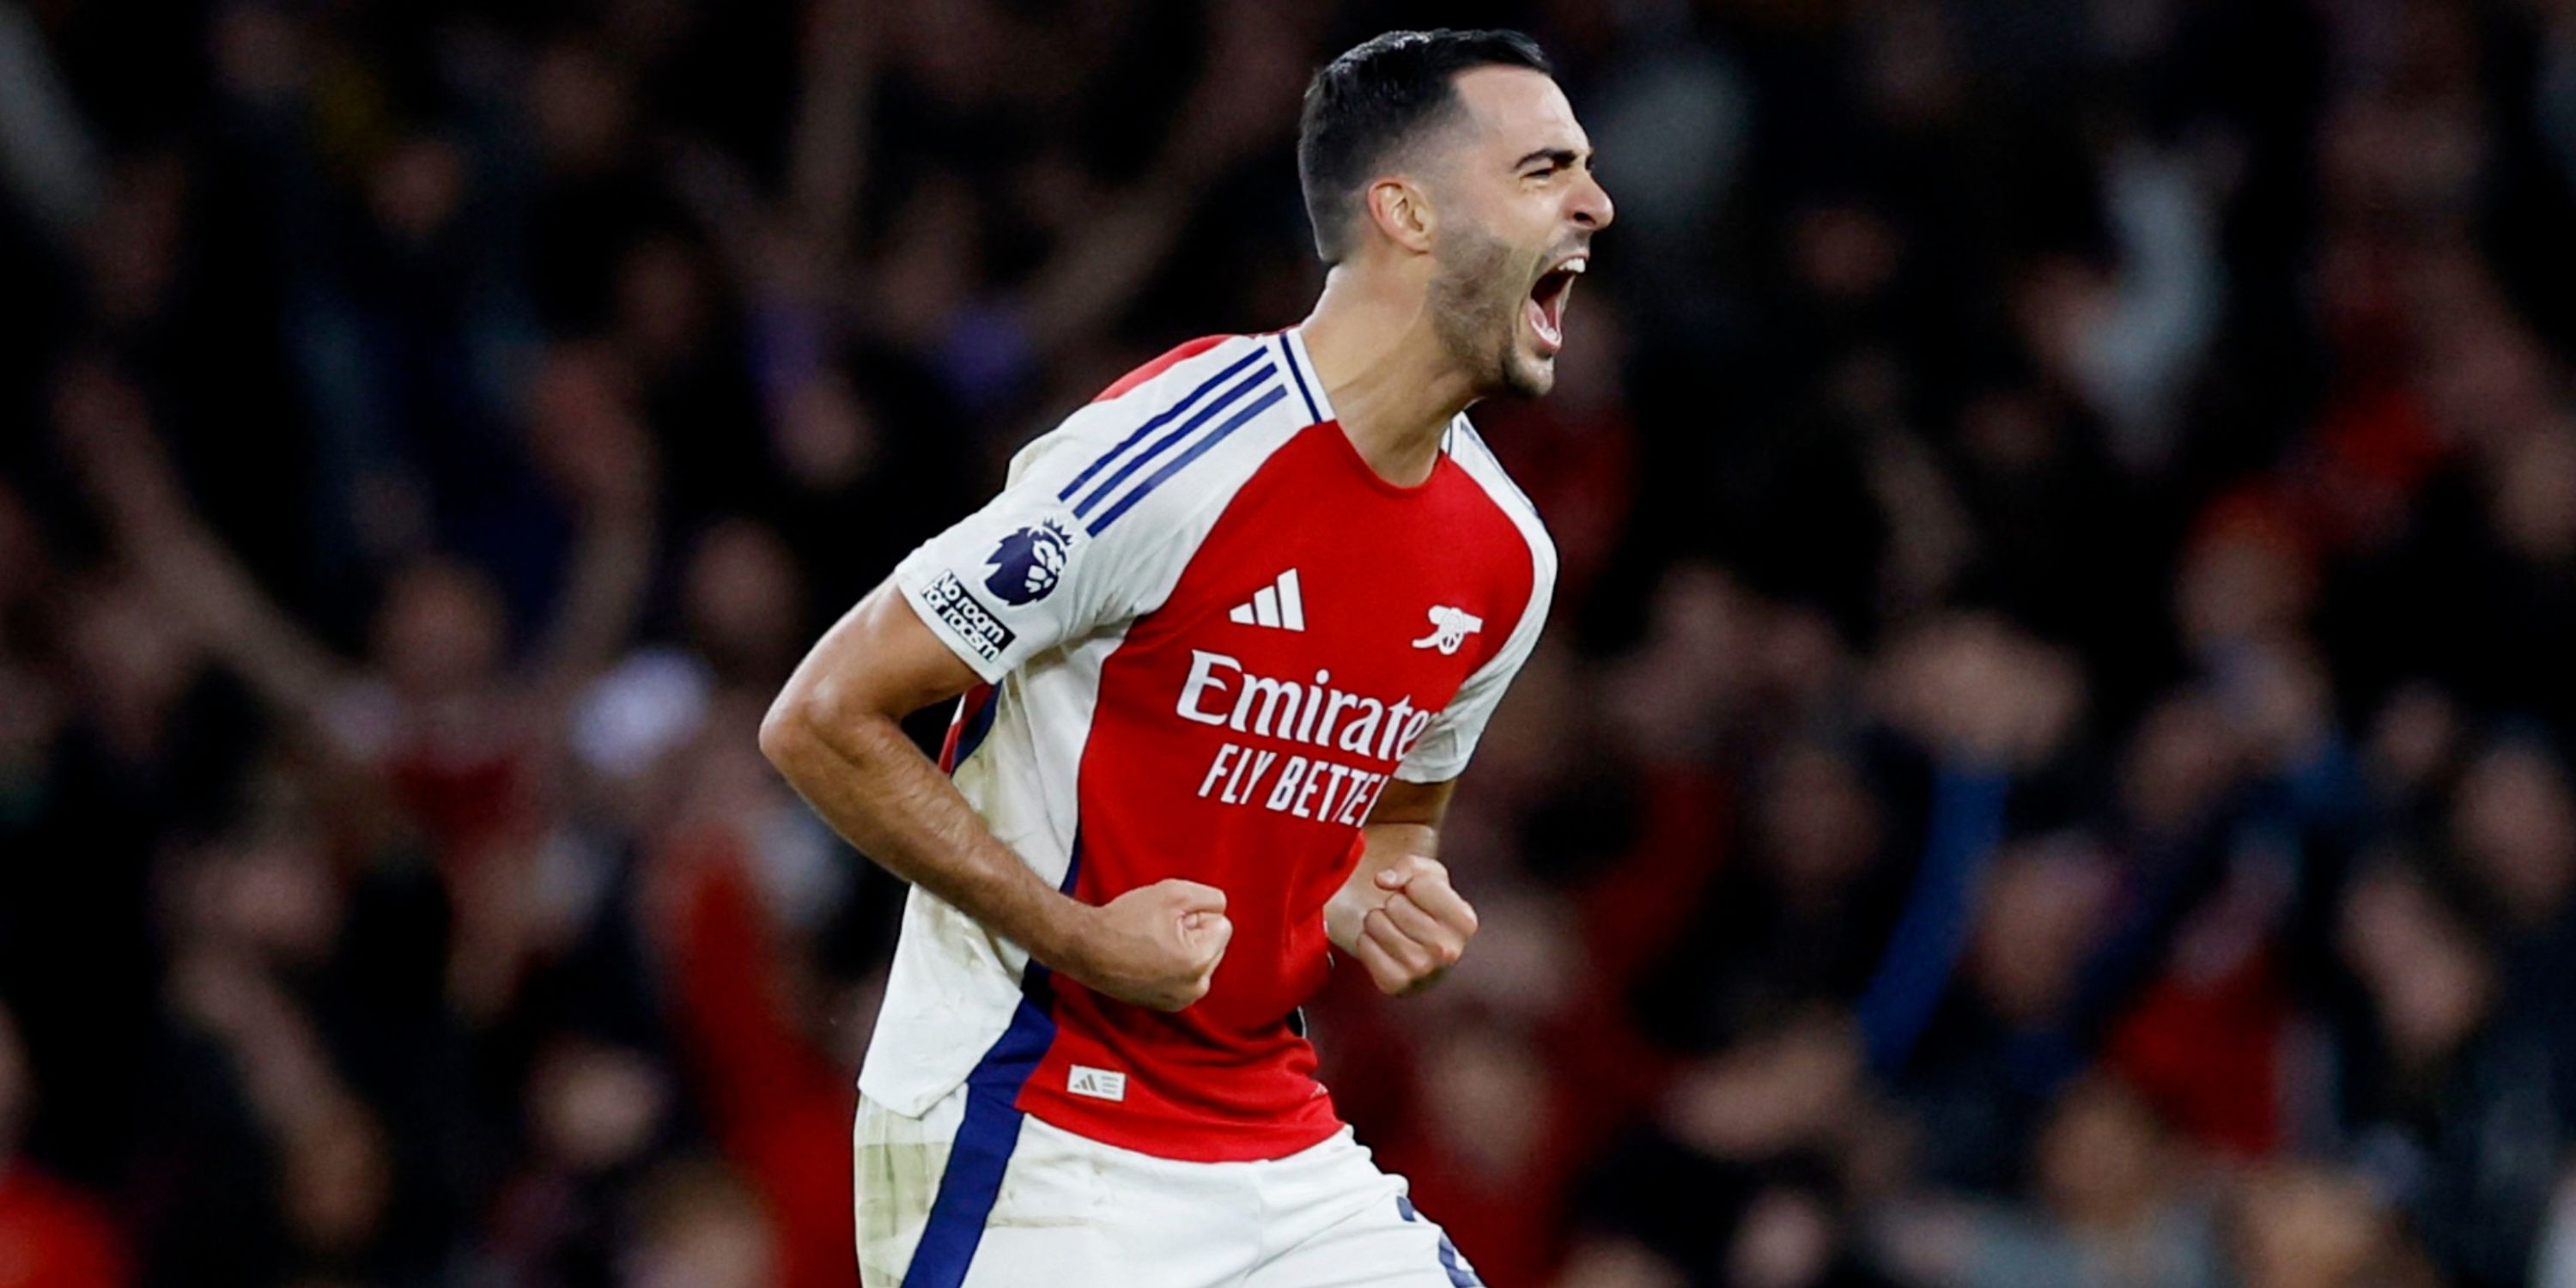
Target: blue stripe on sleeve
[
  {"x": 1159, "y": 420},
  {"x": 1164, "y": 444},
  {"x": 1197, "y": 449}
]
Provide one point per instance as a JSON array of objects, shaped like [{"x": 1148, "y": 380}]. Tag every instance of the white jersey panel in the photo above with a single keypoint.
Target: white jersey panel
[
  {"x": 955, "y": 983},
  {"x": 1085, "y": 533},
  {"x": 1035, "y": 591}
]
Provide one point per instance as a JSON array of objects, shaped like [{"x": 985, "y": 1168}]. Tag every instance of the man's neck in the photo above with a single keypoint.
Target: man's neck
[{"x": 1392, "y": 383}]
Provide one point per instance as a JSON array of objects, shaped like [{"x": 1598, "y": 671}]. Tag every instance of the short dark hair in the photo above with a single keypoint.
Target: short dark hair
[{"x": 1365, "y": 104}]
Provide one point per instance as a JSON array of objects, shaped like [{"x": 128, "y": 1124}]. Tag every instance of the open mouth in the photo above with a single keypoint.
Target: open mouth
[{"x": 1547, "y": 299}]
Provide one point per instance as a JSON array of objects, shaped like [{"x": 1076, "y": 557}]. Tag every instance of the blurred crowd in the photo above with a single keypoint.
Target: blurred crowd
[{"x": 2051, "y": 767}]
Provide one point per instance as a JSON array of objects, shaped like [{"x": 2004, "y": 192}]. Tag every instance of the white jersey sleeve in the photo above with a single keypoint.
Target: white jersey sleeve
[
  {"x": 1082, "y": 537},
  {"x": 1450, "y": 740},
  {"x": 1021, "y": 576}
]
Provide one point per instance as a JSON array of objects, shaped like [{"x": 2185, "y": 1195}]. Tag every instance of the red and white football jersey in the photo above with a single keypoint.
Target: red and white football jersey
[{"x": 1209, "y": 634}]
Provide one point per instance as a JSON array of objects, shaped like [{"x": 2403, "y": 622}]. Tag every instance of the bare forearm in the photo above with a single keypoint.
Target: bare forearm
[
  {"x": 833, "y": 733},
  {"x": 868, "y": 781}
]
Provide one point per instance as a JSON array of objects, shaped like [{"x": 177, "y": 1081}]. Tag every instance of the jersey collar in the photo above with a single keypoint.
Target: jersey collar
[{"x": 1302, "y": 370}]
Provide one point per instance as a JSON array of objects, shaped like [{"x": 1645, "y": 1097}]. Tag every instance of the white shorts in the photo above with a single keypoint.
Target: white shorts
[{"x": 1007, "y": 1201}]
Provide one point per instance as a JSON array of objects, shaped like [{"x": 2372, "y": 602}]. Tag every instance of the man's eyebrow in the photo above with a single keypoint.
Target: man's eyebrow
[{"x": 1553, "y": 156}]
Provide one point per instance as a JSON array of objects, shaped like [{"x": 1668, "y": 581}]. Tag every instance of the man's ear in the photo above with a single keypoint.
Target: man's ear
[{"x": 1401, "y": 208}]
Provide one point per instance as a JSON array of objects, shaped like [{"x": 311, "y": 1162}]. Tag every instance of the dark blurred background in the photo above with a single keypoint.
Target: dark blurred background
[{"x": 2050, "y": 769}]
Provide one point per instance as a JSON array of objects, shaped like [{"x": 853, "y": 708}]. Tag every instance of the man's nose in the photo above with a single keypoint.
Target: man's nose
[{"x": 1592, "y": 207}]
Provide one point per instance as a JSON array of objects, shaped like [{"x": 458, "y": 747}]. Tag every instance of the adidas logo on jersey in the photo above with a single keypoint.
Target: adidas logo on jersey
[
  {"x": 1099, "y": 1084},
  {"x": 1280, "y": 604}
]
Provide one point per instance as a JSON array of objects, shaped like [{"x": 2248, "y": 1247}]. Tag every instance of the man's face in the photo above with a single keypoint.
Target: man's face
[{"x": 1518, "y": 205}]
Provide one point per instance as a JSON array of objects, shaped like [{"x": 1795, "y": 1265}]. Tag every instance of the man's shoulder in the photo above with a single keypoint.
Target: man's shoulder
[
  {"x": 1193, "y": 375},
  {"x": 1208, "y": 375},
  {"x": 1178, "y": 354},
  {"x": 1207, "y": 409}
]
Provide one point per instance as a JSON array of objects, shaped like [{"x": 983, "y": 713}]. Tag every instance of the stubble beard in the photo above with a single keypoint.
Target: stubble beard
[{"x": 1478, "y": 317}]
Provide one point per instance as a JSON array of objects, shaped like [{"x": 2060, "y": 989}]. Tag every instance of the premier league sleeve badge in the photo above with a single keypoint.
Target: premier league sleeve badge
[{"x": 1028, "y": 563}]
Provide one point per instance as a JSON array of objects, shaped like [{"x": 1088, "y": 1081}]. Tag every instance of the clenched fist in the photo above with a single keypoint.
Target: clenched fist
[
  {"x": 1406, "y": 924},
  {"x": 1155, "y": 945}
]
